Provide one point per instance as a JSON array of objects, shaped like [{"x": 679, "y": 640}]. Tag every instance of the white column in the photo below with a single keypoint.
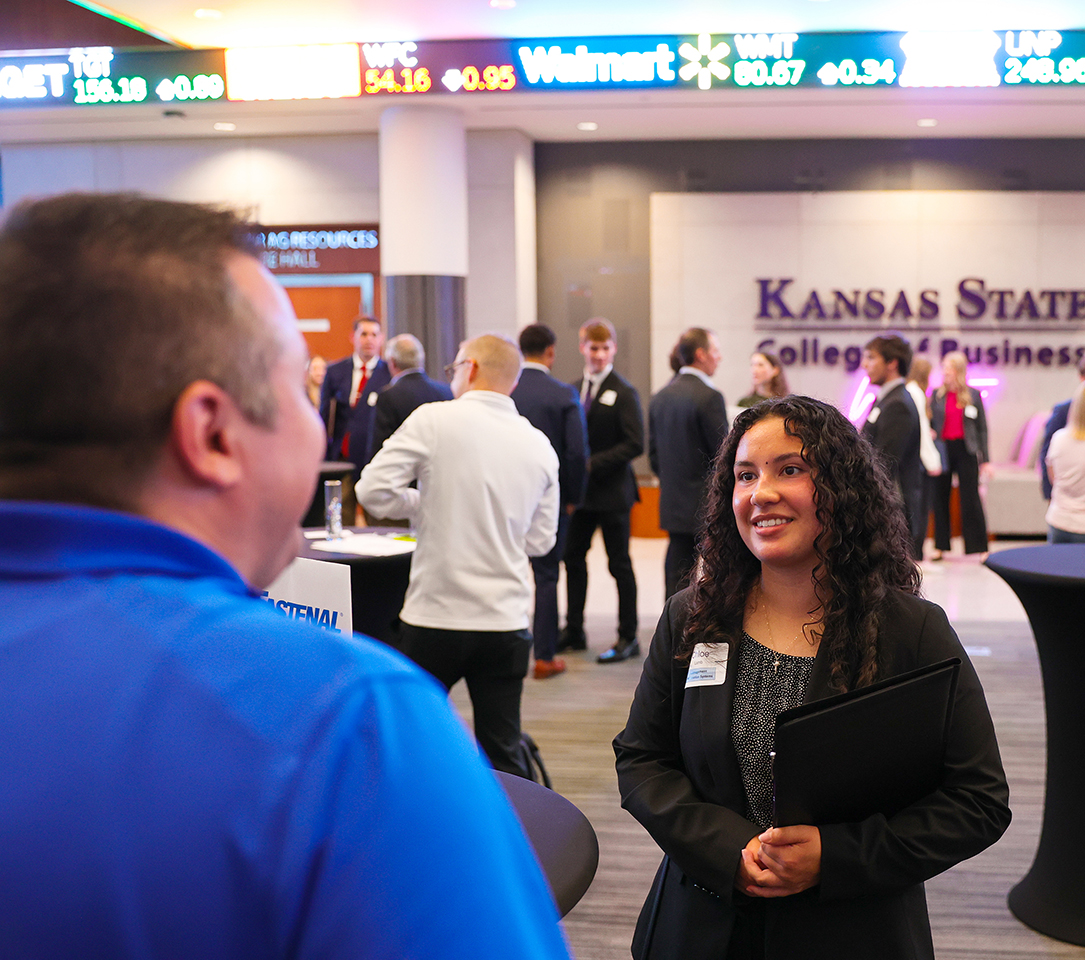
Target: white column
[{"x": 423, "y": 226}]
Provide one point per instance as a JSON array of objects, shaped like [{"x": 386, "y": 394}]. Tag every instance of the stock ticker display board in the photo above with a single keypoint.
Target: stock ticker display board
[{"x": 96, "y": 76}]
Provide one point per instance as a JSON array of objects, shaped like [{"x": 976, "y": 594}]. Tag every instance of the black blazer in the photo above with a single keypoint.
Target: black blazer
[
  {"x": 687, "y": 419},
  {"x": 895, "y": 433},
  {"x": 615, "y": 439},
  {"x": 398, "y": 401},
  {"x": 357, "y": 420},
  {"x": 679, "y": 776},
  {"x": 554, "y": 408},
  {"x": 975, "y": 428}
]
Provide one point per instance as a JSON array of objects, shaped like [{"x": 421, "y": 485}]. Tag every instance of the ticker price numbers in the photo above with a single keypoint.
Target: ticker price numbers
[
  {"x": 134, "y": 89},
  {"x": 757, "y": 73},
  {"x": 1044, "y": 70},
  {"x": 203, "y": 86},
  {"x": 381, "y": 75},
  {"x": 1031, "y": 61},
  {"x": 408, "y": 80},
  {"x": 491, "y": 77},
  {"x": 848, "y": 72},
  {"x": 418, "y": 79},
  {"x": 105, "y": 90},
  {"x": 755, "y": 50}
]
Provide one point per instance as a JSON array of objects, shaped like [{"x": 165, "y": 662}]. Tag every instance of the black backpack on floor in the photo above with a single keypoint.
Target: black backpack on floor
[{"x": 532, "y": 761}]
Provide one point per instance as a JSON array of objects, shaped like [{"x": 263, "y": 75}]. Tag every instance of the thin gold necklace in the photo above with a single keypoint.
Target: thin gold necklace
[{"x": 772, "y": 641}]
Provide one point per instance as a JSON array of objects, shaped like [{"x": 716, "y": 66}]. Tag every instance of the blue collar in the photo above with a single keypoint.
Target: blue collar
[{"x": 53, "y": 539}]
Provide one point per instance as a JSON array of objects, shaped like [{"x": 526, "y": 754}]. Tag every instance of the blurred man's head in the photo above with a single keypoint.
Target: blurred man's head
[
  {"x": 149, "y": 363},
  {"x": 538, "y": 344},
  {"x": 489, "y": 362},
  {"x": 367, "y": 338},
  {"x": 698, "y": 347},
  {"x": 404, "y": 352},
  {"x": 886, "y": 357},
  {"x": 598, "y": 344}
]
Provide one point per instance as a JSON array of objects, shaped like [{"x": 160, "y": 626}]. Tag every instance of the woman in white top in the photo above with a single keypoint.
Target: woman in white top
[
  {"x": 919, "y": 374},
  {"x": 1066, "y": 468}
]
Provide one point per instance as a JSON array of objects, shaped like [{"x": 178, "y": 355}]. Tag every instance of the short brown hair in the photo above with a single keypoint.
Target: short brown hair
[
  {"x": 110, "y": 306},
  {"x": 692, "y": 340},
  {"x": 891, "y": 346},
  {"x": 598, "y": 330}
]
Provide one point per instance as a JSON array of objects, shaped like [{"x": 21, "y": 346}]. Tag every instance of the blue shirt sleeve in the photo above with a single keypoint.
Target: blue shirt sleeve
[{"x": 409, "y": 849}]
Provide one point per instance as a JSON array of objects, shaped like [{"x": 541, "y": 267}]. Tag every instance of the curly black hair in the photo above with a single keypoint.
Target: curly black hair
[{"x": 863, "y": 549}]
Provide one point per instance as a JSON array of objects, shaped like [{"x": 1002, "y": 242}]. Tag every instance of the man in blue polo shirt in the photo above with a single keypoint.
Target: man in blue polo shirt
[{"x": 184, "y": 772}]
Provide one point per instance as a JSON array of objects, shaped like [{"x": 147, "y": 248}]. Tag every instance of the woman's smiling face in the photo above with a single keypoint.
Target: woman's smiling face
[{"x": 774, "y": 499}]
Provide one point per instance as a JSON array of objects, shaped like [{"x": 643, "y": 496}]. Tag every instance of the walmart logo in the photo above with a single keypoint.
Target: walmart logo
[{"x": 704, "y": 61}]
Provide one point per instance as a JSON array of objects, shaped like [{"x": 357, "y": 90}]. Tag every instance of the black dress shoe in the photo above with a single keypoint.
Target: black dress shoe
[
  {"x": 571, "y": 640},
  {"x": 622, "y": 650}
]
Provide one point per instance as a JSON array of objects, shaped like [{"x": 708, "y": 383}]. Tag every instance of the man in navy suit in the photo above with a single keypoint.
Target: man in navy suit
[
  {"x": 409, "y": 389},
  {"x": 1060, "y": 414},
  {"x": 615, "y": 438},
  {"x": 349, "y": 394},
  {"x": 554, "y": 408},
  {"x": 687, "y": 419},
  {"x": 892, "y": 426}
]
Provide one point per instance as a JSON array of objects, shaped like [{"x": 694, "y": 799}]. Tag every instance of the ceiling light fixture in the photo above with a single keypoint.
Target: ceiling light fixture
[
  {"x": 927, "y": 122},
  {"x": 225, "y": 127},
  {"x": 587, "y": 126},
  {"x": 205, "y": 13},
  {"x": 502, "y": 4}
]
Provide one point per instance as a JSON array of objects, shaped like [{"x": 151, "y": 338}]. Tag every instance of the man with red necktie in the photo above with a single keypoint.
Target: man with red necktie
[{"x": 349, "y": 395}]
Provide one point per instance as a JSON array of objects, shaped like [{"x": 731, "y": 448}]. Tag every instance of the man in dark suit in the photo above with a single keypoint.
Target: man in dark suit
[
  {"x": 349, "y": 394},
  {"x": 687, "y": 419},
  {"x": 554, "y": 408},
  {"x": 409, "y": 389},
  {"x": 1060, "y": 414},
  {"x": 892, "y": 425},
  {"x": 615, "y": 438}
]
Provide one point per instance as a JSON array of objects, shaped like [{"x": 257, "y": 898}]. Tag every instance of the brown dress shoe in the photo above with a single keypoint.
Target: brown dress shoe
[{"x": 549, "y": 668}]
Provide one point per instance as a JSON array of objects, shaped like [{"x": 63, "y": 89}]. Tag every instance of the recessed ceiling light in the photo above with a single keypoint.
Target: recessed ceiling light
[
  {"x": 587, "y": 126},
  {"x": 502, "y": 4},
  {"x": 225, "y": 127},
  {"x": 927, "y": 122},
  {"x": 205, "y": 13}
]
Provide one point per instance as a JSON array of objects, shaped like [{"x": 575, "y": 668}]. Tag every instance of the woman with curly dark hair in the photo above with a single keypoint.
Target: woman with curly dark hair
[{"x": 805, "y": 588}]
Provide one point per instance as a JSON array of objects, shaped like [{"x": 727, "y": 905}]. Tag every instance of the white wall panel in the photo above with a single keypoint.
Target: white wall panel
[{"x": 709, "y": 250}]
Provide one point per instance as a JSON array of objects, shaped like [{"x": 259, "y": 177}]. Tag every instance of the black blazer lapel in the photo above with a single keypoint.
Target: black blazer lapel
[{"x": 706, "y": 734}]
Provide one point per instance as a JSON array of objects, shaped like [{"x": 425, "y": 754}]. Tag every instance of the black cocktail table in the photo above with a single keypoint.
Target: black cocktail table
[{"x": 1050, "y": 582}]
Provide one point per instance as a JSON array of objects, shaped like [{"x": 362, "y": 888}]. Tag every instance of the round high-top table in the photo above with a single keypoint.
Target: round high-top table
[
  {"x": 1050, "y": 583},
  {"x": 378, "y": 584},
  {"x": 562, "y": 837}
]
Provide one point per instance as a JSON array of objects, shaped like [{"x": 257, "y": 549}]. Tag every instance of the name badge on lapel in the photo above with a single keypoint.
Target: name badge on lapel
[
  {"x": 607, "y": 398},
  {"x": 372, "y": 399},
  {"x": 971, "y": 412},
  {"x": 708, "y": 665},
  {"x": 874, "y": 414}
]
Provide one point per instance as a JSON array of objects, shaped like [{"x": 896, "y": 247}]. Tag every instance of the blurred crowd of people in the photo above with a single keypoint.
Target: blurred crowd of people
[{"x": 189, "y": 773}]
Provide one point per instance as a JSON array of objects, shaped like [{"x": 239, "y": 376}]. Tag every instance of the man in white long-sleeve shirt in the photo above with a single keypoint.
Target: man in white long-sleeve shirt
[{"x": 487, "y": 499}]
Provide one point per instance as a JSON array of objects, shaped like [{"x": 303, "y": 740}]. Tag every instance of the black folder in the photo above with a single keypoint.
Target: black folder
[{"x": 872, "y": 750}]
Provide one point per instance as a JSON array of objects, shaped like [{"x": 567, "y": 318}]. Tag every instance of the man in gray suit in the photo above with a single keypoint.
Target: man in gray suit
[{"x": 687, "y": 419}]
